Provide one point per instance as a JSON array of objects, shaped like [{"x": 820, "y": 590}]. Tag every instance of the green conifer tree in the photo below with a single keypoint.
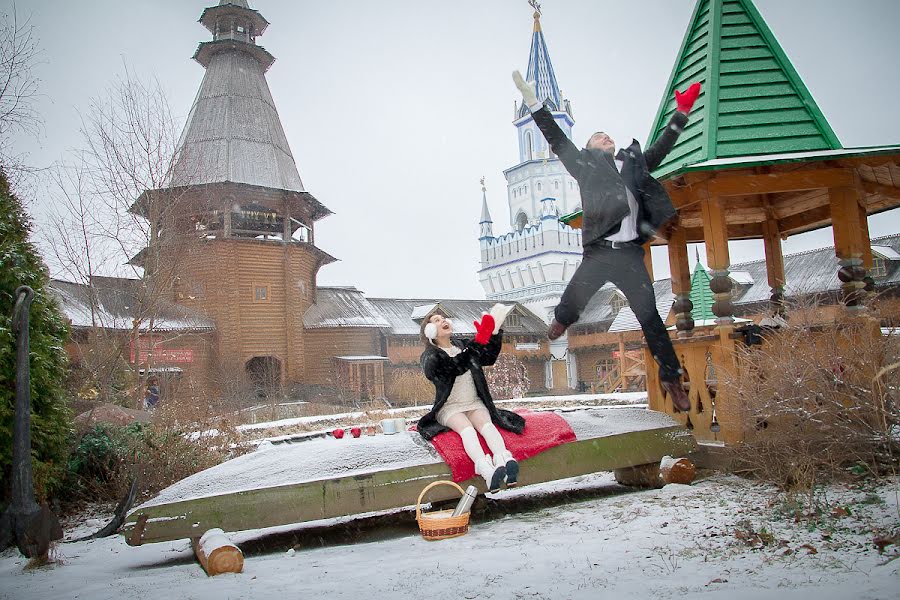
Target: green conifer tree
[{"x": 20, "y": 264}]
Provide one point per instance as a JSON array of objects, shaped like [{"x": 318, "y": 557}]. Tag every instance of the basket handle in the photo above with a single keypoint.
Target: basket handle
[{"x": 428, "y": 487}]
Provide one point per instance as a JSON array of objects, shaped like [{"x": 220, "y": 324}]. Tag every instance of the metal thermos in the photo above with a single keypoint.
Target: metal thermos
[{"x": 465, "y": 503}]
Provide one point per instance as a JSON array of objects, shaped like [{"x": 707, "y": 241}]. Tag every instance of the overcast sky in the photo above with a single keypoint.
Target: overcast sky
[{"x": 395, "y": 109}]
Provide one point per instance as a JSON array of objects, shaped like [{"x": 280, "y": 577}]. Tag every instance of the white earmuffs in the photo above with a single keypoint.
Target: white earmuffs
[{"x": 431, "y": 329}]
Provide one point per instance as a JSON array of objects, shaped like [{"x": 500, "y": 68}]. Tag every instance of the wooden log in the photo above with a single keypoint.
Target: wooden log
[
  {"x": 653, "y": 475},
  {"x": 676, "y": 470},
  {"x": 642, "y": 476},
  {"x": 217, "y": 554}
]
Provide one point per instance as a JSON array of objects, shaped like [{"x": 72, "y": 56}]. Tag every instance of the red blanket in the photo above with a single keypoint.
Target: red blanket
[{"x": 543, "y": 430}]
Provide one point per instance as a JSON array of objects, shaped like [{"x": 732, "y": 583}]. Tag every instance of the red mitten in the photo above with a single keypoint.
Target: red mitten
[
  {"x": 685, "y": 100},
  {"x": 484, "y": 329}
]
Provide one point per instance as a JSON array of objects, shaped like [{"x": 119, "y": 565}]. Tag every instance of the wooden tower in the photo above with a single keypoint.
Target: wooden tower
[{"x": 232, "y": 235}]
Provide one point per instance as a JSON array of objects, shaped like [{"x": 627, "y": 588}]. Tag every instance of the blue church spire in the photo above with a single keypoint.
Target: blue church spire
[{"x": 540, "y": 70}]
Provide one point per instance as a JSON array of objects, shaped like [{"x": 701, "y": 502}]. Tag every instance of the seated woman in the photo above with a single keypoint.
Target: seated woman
[{"x": 462, "y": 401}]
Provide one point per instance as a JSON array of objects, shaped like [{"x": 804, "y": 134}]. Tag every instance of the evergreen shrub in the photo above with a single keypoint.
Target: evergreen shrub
[{"x": 20, "y": 264}]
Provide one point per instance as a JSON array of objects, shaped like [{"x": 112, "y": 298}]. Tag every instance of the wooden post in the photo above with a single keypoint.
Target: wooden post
[
  {"x": 286, "y": 223},
  {"x": 715, "y": 233},
  {"x": 379, "y": 382},
  {"x": 622, "y": 360},
  {"x": 681, "y": 282},
  {"x": 868, "y": 260},
  {"x": 217, "y": 554},
  {"x": 774, "y": 264},
  {"x": 848, "y": 244},
  {"x": 290, "y": 304},
  {"x": 226, "y": 222},
  {"x": 648, "y": 260}
]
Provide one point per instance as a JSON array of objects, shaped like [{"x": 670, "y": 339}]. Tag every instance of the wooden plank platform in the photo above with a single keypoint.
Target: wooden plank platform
[{"x": 327, "y": 478}]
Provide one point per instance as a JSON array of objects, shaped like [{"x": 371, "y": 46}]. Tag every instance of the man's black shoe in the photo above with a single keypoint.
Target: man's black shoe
[
  {"x": 556, "y": 329},
  {"x": 680, "y": 400}
]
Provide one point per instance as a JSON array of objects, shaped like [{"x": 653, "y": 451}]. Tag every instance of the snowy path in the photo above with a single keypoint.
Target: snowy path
[{"x": 677, "y": 542}]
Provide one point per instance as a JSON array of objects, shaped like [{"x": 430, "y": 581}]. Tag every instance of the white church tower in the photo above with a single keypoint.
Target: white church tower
[{"x": 534, "y": 261}]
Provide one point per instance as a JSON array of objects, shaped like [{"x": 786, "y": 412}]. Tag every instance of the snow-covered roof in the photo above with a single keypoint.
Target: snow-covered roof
[
  {"x": 598, "y": 308},
  {"x": 401, "y": 313},
  {"x": 342, "y": 307},
  {"x": 809, "y": 272},
  {"x": 419, "y": 312},
  {"x": 118, "y": 303},
  {"x": 741, "y": 277},
  {"x": 886, "y": 252},
  {"x": 627, "y": 321}
]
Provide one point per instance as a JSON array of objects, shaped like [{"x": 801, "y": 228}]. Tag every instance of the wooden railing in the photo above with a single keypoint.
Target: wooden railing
[{"x": 705, "y": 357}]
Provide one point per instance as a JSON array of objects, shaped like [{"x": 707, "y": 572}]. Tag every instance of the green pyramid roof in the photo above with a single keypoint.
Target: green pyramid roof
[
  {"x": 753, "y": 101},
  {"x": 701, "y": 295}
]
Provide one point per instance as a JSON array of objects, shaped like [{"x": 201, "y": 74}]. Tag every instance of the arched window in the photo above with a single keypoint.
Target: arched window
[
  {"x": 538, "y": 186},
  {"x": 556, "y": 185},
  {"x": 529, "y": 146},
  {"x": 521, "y": 221}
]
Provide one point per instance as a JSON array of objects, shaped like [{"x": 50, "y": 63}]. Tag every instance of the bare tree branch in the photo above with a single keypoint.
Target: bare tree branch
[
  {"x": 19, "y": 85},
  {"x": 129, "y": 138}
]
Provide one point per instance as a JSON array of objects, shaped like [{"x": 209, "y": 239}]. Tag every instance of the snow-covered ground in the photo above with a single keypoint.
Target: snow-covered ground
[{"x": 587, "y": 537}]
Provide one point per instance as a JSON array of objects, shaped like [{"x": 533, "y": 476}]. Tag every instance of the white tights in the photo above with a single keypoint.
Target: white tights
[{"x": 465, "y": 423}]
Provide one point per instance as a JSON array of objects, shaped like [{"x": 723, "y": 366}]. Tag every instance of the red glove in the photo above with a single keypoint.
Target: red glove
[
  {"x": 685, "y": 100},
  {"x": 484, "y": 329}
]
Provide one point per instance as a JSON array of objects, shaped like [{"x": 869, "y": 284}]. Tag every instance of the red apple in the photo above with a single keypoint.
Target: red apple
[
  {"x": 338, "y": 433},
  {"x": 356, "y": 432}
]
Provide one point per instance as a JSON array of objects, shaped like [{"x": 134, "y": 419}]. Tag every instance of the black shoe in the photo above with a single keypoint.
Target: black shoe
[
  {"x": 497, "y": 479},
  {"x": 680, "y": 400},
  {"x": 556, "y": 329},
  {"x": 512, "y": 473}
]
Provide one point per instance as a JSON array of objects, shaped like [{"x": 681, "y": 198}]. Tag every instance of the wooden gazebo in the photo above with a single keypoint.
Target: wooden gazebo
[{"x": 757, "y": 160}]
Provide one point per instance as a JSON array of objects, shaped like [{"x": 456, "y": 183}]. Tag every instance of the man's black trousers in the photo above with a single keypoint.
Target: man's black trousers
[{"x": 624, "y": 267}]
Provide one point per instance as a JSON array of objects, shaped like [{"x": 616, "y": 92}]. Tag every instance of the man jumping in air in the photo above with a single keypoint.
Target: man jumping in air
[{"x": 623, "y": 207}]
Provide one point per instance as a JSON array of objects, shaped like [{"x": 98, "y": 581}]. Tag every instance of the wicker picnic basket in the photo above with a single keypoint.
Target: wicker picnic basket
[{"x": 440, "y": 524}]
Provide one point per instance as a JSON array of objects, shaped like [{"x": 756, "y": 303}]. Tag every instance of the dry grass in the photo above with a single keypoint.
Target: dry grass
[
  {"x": 409, "y": 387},
  {"x": 818, "y": 402}
]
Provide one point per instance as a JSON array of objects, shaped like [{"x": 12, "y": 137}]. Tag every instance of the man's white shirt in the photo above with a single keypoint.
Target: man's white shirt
[{"x": 628, "y": 230}]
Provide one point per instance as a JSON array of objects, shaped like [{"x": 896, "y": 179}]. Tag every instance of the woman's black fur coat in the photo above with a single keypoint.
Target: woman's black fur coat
[{"x": 442, "y": 370}]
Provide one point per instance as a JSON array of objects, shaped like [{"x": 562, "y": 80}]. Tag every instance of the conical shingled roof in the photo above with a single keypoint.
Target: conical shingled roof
[
  {"x": 233, "y": 131},
  {"x": 701, "y": 295},
  {"x": 540, "y": 71},
  {"x": 753, "y": 101},
  {"x": 485, "y": 213}
]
